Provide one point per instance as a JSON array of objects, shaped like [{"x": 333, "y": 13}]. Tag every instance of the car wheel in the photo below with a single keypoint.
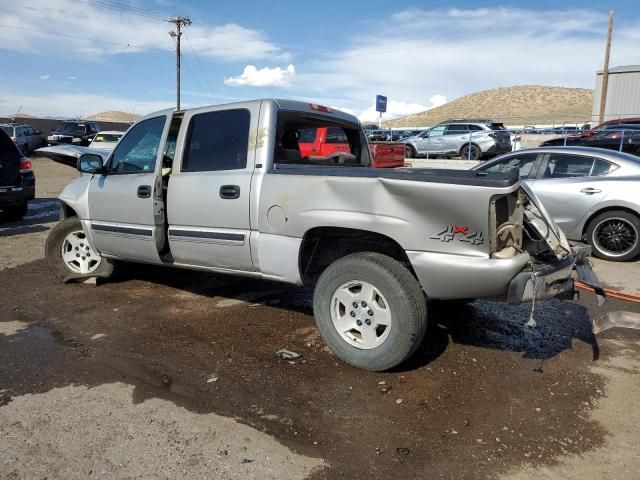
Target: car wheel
[
  {"x": 13, "y": 214},
  {"x": 615, "y": 236},
  {"x": 474, "y": 155},
  {"x": 70, "y": 255},
  {"x": 409, "y": 152},
  {"x": 370, "y": 310}
]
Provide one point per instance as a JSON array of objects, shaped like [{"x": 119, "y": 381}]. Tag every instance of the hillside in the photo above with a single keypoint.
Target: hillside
[
  {"x": 520, "y": 105},
  {"x": 114, "y": 116}
]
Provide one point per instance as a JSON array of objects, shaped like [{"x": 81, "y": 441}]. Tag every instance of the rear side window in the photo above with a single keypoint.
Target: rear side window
[
  {"x": 523, "y": 162},
  {"x": 217, "y": 141},
  {"x": 336, "y": 135},
  {"x": 456, "y": 129},
  {"x": 497, "y": 126},
  {"x": 602, "y": 167},
  {"x": 568, "y": 166},
  {"x": 307, "y": 135}
]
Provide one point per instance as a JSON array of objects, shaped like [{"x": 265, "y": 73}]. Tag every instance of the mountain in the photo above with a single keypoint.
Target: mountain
[
  {"x": 114, "y": 116},
  {"x": 519, "y": 105}
]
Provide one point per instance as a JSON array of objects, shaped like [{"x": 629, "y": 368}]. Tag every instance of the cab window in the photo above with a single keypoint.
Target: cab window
[
  {"x": 307, "y": 135},
  {"x": 217, "y": 141},
  {"x": 138, "y": 150}
]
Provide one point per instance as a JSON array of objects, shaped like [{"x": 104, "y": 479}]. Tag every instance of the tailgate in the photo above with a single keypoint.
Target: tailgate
[
  {"x": 9, "y": 162},
  {"x": 387, "y": 155}
]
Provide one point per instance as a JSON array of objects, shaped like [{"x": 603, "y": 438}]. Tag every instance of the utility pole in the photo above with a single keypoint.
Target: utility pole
[
  {"x": 605, "y": 70},
  {"x": 179, "y": 22}
]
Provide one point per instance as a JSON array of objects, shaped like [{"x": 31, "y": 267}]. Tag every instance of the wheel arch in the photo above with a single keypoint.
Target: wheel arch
[
  {"x": 473, "y": 144},
  {"x": 323, "y": 245},
  {"x": 609, "y": 208},
  {"x": 66, "y": 211}
]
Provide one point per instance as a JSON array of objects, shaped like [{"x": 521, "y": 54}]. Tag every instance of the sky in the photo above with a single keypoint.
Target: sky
[{"x": 74, "y": 58}]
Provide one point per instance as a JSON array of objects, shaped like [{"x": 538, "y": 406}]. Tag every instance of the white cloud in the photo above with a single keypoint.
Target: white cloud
[
  {"x": 45, "y": 77},
  {"x": 400, "y": 109},
  {"x": 264, "y": 77},
  {"x": 122, "y": 32},
  {"x": 456, "y": 52},
  {"x": 71, "y": 78}
]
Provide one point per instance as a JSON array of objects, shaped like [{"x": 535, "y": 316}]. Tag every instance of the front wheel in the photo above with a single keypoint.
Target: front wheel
[
  {"x": 615, "y": 236},
  {"x": 70, "y": 255},
  {"x": 370, "y": 310}
]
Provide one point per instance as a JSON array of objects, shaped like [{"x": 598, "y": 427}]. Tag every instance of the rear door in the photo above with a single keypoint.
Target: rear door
[
  {"x": 126, "y": 206},
  {"x": 566, "y": 187},
  {"x": 455, "y": 136},
  {"x": 209, "y": 189}
]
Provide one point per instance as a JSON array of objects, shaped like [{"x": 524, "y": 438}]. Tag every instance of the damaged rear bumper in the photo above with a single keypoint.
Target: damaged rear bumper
[{"x": 555, "y": 280}]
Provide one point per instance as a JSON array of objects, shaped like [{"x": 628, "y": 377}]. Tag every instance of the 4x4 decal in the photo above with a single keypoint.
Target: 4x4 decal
[{"x": 459, "y": 232}]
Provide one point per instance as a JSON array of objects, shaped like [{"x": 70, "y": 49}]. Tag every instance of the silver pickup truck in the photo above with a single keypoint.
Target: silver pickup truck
[{"x": 226, "y": 189}]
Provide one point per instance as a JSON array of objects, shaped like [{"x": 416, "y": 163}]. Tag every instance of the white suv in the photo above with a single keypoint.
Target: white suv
[{"x": 472, "y": 139}]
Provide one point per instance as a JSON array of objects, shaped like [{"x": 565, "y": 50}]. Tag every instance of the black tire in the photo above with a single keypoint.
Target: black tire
[
  {"x": 406, "y": 302},
  {"x": 53, "y": 252},
  {"x": 409, "y": 152},
  {"x": 614, "y": 236},
  {"x": 13, "y": 214},
  {"x": 475, "y": 152}
]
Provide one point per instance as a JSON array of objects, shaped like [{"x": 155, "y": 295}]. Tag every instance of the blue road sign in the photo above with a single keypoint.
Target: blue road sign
[{"x": 381, "y": 103}]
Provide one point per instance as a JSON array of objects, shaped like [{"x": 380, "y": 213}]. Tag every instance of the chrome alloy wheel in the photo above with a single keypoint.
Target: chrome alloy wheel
[
  {"x": 360, "y": 314},
  {"x": 77, "y": 254},
  {"x": 615, "y": 236}
]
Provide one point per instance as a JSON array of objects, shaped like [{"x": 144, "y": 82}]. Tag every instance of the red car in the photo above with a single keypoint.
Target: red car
[
  {"x": 325, "y": 141},
  {"x": 617, "y": 121}
]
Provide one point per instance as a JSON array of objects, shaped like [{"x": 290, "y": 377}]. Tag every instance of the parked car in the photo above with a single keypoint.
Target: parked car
[
  {"x": 591, "y": 193},
  {"x": 106, "y": 140},
  {"x": 375, "y": 243},
  {"x": 402, "y": 134},
  {"x": 625, "y": 138},
  {"x": 73, "y": 132},
  {"x": 17, "y": 181},
  {"x": 468, "y": 139},
  {"x": 609, "y": 124},
  {"x": 379, "y": 136},
  {"x": 24, "y": 136}
]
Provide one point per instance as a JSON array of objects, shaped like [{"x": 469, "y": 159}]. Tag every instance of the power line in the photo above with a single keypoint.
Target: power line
[
  {"x": 195, "y": 79},
  {"x": 119, "y": 7},
  {"x": 200, "y": 65},
  {"x": 85, "y": 38}
]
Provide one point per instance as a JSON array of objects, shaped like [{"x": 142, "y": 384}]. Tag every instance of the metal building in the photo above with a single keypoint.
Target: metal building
[{"x": 623, "y": 93}]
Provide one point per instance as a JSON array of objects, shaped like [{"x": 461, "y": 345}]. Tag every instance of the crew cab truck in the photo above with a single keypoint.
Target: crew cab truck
[{"x": 226, "y": 189}]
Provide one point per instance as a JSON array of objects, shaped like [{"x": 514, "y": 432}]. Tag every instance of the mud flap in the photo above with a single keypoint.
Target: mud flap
[{"x": 584, "y": 271}]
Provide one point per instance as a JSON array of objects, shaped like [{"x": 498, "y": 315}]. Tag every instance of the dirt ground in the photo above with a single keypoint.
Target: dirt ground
[{"x": 164, "y": 374}]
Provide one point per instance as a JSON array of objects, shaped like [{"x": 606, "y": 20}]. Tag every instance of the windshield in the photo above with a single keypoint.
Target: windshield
[
  {"x": 8, "y": 129},
  {"x": 107, "y": 137},
  {"x": 71, "y": 128}
]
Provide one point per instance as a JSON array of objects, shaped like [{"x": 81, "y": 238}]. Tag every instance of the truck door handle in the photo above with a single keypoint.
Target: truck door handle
[
  {"x": 144, "y": 191},
  {"x": 229, "y": 192},
  {"x": 590, "y": 190},
  {"x": 314, "y": 149}
]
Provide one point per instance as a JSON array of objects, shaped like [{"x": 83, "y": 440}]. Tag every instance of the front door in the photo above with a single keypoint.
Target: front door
[
  {"x": 209, "y": 188},
  {"x": 126, "y": 206},
  {"x": 431, "y": 141}
]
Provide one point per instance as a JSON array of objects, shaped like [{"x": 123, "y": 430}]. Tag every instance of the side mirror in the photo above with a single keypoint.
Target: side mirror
[{"x": 90, "y": 163}]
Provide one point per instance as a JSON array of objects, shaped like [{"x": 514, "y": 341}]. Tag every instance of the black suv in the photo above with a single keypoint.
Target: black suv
[
  {"x": 76, "y": 132},
  {"x": 17, "y": 181}
]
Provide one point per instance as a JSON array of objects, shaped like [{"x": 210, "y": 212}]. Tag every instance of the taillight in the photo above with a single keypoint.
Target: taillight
[
  {"x": 25, "y": 165},
  {"x": 320, "y": 108}
]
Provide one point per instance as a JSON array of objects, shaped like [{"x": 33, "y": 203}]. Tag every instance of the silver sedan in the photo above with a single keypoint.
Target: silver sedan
[{"x": 592, "y": 193}]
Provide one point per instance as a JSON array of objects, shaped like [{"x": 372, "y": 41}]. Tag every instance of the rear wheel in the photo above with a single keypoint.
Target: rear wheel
[
  {"x": 370, "y": 310},
  {"x": 615, "y": 236},
  {"x": 473, "y": 155},
  {"x": 410, "y": 152},
  {"x": 70, "y": 255}
]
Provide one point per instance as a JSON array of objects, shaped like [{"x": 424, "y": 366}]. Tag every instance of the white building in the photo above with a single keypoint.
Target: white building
[{"x": 623, "y": 93}]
